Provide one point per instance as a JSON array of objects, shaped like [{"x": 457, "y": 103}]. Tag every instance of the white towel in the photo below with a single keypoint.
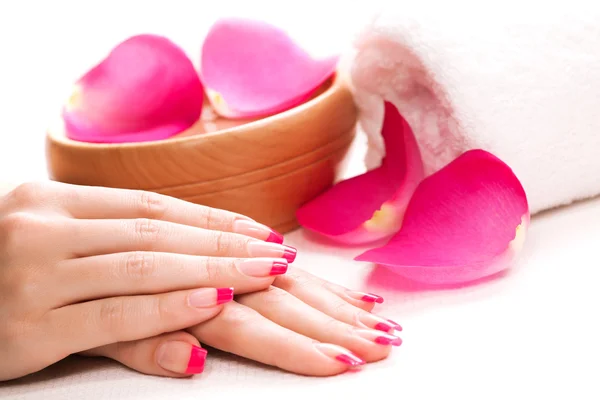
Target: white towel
[{"x": 519, "y": 79}]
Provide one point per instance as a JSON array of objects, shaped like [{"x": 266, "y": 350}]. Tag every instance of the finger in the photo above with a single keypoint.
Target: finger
[
  {"x": 94, "y": 202},
  {"x": 134, "y": 273},
  {"x": 242, "y": 331},
  {"x": 290, "y": 312},
  {"x": 363, "y": 300},
  {"x": 175, "y": 355},
  {"x": 106, "y": 236},
  {"x": 96, "y": 323},
  {"x": 321, "y": 295}
]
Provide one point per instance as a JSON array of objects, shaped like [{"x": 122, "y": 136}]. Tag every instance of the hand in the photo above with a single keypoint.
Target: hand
[
  {"x": 83, "y": 267},
  {"x": 300, "y": 324}
]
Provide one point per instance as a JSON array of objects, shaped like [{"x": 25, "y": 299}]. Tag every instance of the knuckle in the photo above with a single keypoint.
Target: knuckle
[
  {"x": 20, "y": 287},
  {"x": 222, "y": 243},
  {"x": 140, "y": 265},
  {"x": 112, "y": 316},
  {"x": 211, "y": 269},
  {"x": 13, "y": 331},
  {"x": 151, "y": 204},
  {"x": 17, "y": 222},
  {"x": 213, "y": 218},
  {"x": 28, "y": 193},
  {"x": 209, "y": 217},
  {"x": 16, "y": 229},
  {"x": 147, "y": 230},
  {"x": 228, "y": 244}
]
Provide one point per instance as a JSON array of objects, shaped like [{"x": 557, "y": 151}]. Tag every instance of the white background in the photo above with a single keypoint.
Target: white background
[{"x": 531, "y": 334}]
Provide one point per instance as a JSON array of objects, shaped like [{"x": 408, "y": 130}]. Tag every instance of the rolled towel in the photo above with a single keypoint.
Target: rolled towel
[{"x": 521, "y": 82}]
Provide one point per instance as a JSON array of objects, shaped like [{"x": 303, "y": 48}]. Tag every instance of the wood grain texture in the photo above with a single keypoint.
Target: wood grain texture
[{"x": 265, "y": 168}]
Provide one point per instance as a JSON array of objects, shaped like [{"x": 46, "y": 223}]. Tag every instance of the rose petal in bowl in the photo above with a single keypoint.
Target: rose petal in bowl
[
  {"x": 465, "y": 222},
  {"x": 252, "y": 69},
  {"x": 371, "y": 206},
  {"x": 145, "y": 89}
]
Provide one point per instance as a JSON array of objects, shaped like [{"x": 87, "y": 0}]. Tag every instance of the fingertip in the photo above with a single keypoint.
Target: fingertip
[
  {"x": 337, "y": 359},
  {"x": 181, "y": 357},
  {"x": 363, "y": 300}
]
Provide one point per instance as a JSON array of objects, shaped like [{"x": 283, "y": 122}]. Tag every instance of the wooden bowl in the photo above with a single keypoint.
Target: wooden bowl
[{"x": 264, "y": 169}]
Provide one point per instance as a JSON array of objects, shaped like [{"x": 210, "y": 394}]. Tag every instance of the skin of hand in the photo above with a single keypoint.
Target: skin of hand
[
  {"x": 300, "y": 324},
  {"x": 142, "y": 317},
  {"x": 83, "y": 267}
]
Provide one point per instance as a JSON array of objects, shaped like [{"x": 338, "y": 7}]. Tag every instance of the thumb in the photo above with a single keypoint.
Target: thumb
[{"x": 176, "y": 354}]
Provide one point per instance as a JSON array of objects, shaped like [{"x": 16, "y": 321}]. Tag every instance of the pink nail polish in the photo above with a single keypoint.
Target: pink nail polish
[
  {"x": 290, "y": 254},
  {"x": 279, "y": 268},
  {"x": 366, "y": 297},
  {"x": 396, "y": 325},
  {"x": 210, "y": 297},
  {"x": 350, "y": 359},
  {"x": 373, "y": 321},
  {"x": 340, "y": 354},
  {"x": 275, "y": 237},
  {"x": 224, "y": 295},
  {"x": 384, "y": 340},
  {"x": 262, "y": 267},
  {"x": 181, "y": 357},
  {"x": 379, "y": 338},
  {"x": 197, "y": 360},
  {"x": 256, "y": 230},
  {"x": 275, "y": 250}
]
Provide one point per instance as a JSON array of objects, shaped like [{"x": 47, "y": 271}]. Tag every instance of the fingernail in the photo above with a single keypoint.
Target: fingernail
[
  {"x": 396, "y": 325},
  {"x": 340, "y": 354},
  {"x": 373, "y": 321},
  {"x": 224, "y": 295},
  {"x": 275, "y": 237},
  {"x": 290, "y": 254},
  {"x": 256, "y": 230},
  {"x": 210, "y": 297},
  {"x": 181, "y": 358},
  {"x": 366, "y": 297},
  {"x": 262, "y": 267},
  {"x": 379, "y": 338},
  {"x": 275, "y": 250}
]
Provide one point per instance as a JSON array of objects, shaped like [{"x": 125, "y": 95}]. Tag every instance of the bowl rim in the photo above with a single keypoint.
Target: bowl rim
[{"x": 56, "y": 131}]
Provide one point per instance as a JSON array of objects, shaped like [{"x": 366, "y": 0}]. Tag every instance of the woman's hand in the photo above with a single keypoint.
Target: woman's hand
[
  {"x": 84, "y": 267},
  {"x": 301, "y": 324}
]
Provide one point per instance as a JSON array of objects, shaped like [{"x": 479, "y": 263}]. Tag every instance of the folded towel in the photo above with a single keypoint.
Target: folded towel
[{"x": 520, "y": 82}]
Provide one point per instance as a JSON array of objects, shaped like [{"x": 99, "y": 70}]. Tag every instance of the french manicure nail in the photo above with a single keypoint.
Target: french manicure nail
[
  {"x": 396, "y": 325},
  {"x": 256, "y": 230},
  {"x": 181, "y": 358},
  {"x": 224, "y": 295},
  {"x": 373, "y": 321},
  {"x": 366, "y": 297},
  {"x": 262, "y": 267},
  {"x": 210, "y": 297},
  {"x": 290, "y": 254},
  {"x": 340, "y": 354},
  {"x": 379, "y": 337},
  {"x": 275, "y": 250}
]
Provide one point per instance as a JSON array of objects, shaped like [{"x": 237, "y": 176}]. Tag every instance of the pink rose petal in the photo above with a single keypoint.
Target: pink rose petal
[
  {"x": 465, "y": 222},
  {"x": 371, "y": 206},
  {"x": 145, "y": 89},
  {"x": 251, "y": 69}
]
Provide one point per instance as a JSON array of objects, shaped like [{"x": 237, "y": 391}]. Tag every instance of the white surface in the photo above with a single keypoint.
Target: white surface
[
  {"x": 522, "y": 85},
  {"x": 531, "y": 334}
]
